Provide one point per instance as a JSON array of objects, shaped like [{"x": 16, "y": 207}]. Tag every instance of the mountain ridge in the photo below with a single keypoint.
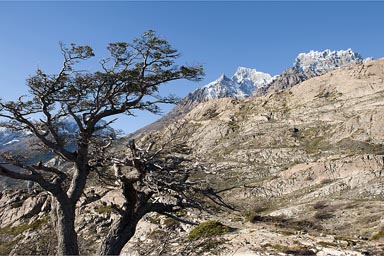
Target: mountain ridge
[
  {"x": 309, "y": 65},
  {"x": 257, "y": 85}
]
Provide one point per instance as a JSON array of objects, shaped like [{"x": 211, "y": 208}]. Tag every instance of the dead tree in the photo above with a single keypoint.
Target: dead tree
[
  {"x": 126, "y": 81},
  {"x": 157, "y": 180}
]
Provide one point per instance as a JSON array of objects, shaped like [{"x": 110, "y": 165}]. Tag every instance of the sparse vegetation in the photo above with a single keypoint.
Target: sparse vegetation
[
  {"x": 292, "y": 250},
  {"x": 10, "y": 236},
  {"x": 379, "y": 235},
  {"x": 104, "y": 209},
  {"x": 208, "y": 229},
  {"x": 16, "y": 230},
  {"x": 6, "y": 246}
]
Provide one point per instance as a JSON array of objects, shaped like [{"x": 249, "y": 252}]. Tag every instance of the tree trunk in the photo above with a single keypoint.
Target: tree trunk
[
  {"x": 120, "y": 233},
  {"x": 63, "y": 217}
]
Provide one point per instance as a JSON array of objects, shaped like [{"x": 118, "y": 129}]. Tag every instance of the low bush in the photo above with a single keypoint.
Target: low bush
[
  {"x": 208, "y": 229},
  {"x": 104, "y": 209}
]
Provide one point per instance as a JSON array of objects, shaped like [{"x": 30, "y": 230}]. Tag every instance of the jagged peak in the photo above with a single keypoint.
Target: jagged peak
[
  {"x": 329, "y": 59},
  {"x": 220, "y": 80},
  {"x": 222, "y": 77},
  {"x": 244, "y": 74},
  {"x": 313, "y": 54},
  {"x": 241, "y": 69}
]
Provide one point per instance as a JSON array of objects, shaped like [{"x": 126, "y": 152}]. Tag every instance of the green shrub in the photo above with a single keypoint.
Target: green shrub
[
  {"x": 14, "y": 231},
  {"x": 7, "y": 246},
  {"x": 182, "y": 213},
  {"x": 208, "y": 229},
  {"x": 170, "y": 222},
  {"x": 104, "y": 209}
]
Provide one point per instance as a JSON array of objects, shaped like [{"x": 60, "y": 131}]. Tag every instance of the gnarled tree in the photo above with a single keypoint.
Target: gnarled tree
[
  {"x": 127, "y": 80},
  {"x": 154, "y": 176}
]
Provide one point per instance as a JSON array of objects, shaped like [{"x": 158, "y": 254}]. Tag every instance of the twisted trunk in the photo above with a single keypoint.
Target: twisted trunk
[
  {"x": 64, "y": 208},
  {"x": 120, "y": 233},
  {"x": 135, "y": 207},
  {"x": 63, "y": 217}
]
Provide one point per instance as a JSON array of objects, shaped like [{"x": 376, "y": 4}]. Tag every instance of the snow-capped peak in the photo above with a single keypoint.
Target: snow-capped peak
[
  {"x": 251, "y": 78},
  {"x": 222, "y": 80},
  {"x": 240, "y": 85},
  {"x": 327, "y": 60}
]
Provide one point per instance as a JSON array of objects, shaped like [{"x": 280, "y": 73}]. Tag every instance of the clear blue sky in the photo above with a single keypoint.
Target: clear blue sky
[{"x": 219, "y": 35}]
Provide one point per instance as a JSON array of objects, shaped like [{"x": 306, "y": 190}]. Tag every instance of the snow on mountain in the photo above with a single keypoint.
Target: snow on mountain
[
  {"x": 11, "y": 142},
  {"x": 66, "y": 126},
  {"x": 325, "y": 61},
  {"x": 311, "y": 64},
  {"x": 8, "y": 137},
  {"x": 246, "y": 81},
  {"x": 250, "y": 79},
  {"x": 240, "y": 85}
]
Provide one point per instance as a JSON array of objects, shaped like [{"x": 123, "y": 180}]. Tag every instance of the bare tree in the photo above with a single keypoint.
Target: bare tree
[
  {"x": 127, "y": 80},
  {"x": 154, "y": 177}
]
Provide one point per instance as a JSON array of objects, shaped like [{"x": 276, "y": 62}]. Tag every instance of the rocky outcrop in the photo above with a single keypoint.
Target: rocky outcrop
[{"x": 16, "y": 207}]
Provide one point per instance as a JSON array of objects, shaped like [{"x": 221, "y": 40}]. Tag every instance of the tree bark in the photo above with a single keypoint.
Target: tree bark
[
  {"x": 120, "y": 233},
  {"x": 63, "y": 217}
]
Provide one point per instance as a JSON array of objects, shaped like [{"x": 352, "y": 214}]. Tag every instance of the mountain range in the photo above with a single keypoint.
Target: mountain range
[{"x": 248, "y": 82}]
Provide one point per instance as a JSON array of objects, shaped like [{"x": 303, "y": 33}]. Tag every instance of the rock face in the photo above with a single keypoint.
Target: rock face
[
  {"x": 312, "y": 64},
  {"x": 15, "y": 207}
]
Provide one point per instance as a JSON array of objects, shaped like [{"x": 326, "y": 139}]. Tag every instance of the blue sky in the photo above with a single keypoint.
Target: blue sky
[{"x": 219, "y": 35}]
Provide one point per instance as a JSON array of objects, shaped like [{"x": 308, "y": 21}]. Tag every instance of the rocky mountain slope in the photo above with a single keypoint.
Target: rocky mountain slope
[
  {"x": 241, "y": 85},
  {"x": 303, "y": 167},
  {"x": 307, "y": 159},
  {"x": 247, "y": 82}
]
